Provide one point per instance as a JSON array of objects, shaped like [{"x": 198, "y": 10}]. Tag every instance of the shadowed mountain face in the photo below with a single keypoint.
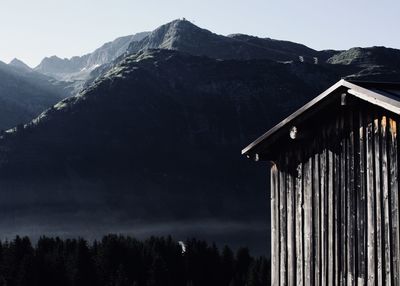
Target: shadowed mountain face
[
  {"x": 78, "y": 68},
  {"x": 24, "y": 94},
  {"x": 156, "y": 140},
  {"x": 152, "y": 144}
]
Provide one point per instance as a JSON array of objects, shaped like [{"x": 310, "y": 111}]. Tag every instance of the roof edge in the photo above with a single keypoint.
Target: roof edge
[{"x": 296, "y": 114}]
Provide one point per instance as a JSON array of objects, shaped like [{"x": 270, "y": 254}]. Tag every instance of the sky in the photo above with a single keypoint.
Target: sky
[{"x": 32, "y": 30}]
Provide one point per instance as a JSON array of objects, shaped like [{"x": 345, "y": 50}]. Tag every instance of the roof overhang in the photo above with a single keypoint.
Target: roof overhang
[{"x": 385, "y": 95}]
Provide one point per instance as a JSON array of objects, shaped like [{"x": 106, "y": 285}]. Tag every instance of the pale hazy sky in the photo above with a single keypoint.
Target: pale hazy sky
[{"x": 33, "y": 29}]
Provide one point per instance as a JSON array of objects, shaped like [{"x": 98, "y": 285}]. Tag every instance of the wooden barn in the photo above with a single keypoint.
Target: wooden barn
[{"x": 335, "y": 188}]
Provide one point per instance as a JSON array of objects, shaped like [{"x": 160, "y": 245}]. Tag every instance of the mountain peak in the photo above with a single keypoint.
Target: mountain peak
[
  {"x": 179, "y": 26},
  {"x": 52, "y": 58},
  {"x": 19, "y": 64},
  {"x": 182, "y": 21}
]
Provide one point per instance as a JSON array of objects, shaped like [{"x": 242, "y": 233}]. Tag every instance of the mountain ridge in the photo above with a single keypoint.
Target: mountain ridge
[
  {"x": 184, "y": 36},
  {"x": 78, "y": 67}
]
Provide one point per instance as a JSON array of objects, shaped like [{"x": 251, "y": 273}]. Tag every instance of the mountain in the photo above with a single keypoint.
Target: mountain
[
  {"x": 78, "y": 68},
  {"x": 151, "y": 145},
  {"x": 61, "y": 68},
  {"x": 287, "y": 47},
  {"x": 24, "y": 94},
  {"x": 184, "y": 36},
  {"x": 110, "y": 51},
  {"x": 372, "y": 62},
  {"x": 366, "y": 57},
  {"x": 20, "y": 65}
]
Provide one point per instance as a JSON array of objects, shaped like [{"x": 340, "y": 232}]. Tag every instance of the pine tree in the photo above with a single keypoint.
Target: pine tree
[
  {"x": 227, "y": 265},
  {"x": 243, "y": 263},
  {"x": 124, "y": 261},
  {"x": 85, "y": 270}
]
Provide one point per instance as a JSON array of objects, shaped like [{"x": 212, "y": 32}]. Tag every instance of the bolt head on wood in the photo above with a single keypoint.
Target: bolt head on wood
[
  {"x": 343, "y": 99},
  {"x": 293, "y": 132}
]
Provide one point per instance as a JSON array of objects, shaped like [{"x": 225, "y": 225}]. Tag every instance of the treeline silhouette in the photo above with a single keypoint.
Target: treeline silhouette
[{"x": 126, "y": 261}]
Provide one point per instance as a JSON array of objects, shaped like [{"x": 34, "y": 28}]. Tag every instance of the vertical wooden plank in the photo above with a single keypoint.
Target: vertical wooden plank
[
  {"x": 331, "y": 222},
  {"x": 361, "y": 205},
  {"x": 343, "y": 206},
  {"x": 308, "y": 235},
  {"x": 299, "y": 225},
  {"x": 394, "y": 198},
  {"x": 283, "y": 227},
  {"x": 378, "y": 200},
  {"x": 291, "y": 250},
  {"x": 337, "y": 224},
  {"x": 275, "y": 226},
  {"x": 324, "y": 218},
  {"x": 386, "y": 202},
  {"x": 370, "y": 203},
  {"x": 351, "y": 207},
  {"x": 316, "y": 220}
]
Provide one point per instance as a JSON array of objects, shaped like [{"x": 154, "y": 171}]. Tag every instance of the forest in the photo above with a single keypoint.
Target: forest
[{"x": 125, "y": 261}]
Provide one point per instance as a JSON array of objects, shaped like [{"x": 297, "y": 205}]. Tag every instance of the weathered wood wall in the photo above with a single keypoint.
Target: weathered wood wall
[{"x": 334, "y": 203}]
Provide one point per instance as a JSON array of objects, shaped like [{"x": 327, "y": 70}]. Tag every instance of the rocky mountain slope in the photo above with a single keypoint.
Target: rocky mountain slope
[
  {"x": 376, "y": 63},
  {"x": 78, "y": 68}
]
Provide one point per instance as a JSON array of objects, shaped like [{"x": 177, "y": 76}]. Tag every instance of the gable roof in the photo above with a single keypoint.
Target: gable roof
[{"x": 385, "y": 95}]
